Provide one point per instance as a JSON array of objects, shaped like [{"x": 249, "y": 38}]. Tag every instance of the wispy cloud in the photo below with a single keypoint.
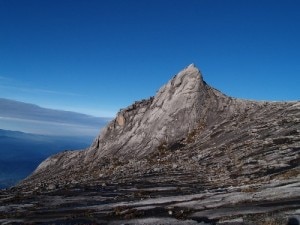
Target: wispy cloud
[
  {"x": 16, "y": 85},
  {"x": 5, "y": 79},
  {"x": 32, "y": 121},
  {"x": 54, "y": 92},
  {"x": 47, "y": 127}
]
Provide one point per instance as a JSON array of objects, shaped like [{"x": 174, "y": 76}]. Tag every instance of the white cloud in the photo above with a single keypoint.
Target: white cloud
[
  {"x": 43, "y": 122},
  {"x": 47, "y": 128},
  {"x": 55, "y": 92},
  {"x": 14, "y": 88}
]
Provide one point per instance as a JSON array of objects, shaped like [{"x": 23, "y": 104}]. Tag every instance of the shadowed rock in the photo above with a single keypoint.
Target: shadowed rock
[{"x": 293, "y": 221}]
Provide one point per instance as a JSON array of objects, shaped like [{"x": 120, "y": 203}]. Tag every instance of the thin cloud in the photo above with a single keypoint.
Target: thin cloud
[
  {"x": 46, "y": 122},
  {"x": 48, "y": 128},
  {"x": 56, "y": 92},
  {"x": 23, "y": 86},
  {"x": 6, "y": 79},
  {"x": 36, "y": 90}
]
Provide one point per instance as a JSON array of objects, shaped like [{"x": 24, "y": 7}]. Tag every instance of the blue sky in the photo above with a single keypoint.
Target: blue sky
[{"x": 98, "y": 56}]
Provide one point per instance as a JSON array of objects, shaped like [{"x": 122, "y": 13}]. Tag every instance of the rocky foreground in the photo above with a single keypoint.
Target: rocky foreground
[{"x": 189, "y": 155}]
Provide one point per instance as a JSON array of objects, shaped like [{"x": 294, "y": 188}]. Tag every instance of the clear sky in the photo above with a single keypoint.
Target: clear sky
[{"x": 96, "y": 56}]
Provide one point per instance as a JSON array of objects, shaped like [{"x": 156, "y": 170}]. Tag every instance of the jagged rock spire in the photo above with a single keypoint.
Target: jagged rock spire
[{"x": 164, "y": 119}]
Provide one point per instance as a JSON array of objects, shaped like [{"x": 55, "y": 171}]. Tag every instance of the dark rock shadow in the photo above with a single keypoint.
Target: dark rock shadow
[{"x": 293, "y": 221}]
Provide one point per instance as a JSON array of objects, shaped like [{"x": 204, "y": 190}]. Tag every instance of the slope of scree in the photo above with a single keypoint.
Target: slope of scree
[
  {"x": 188, "y": 126},
  {"x": 189, "y": 155}
]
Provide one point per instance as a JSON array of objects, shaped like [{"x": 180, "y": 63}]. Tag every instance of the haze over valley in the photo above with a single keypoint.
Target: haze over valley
[
  {"x": 29, "y": 134},
  {"x": 30, "y": 118}
]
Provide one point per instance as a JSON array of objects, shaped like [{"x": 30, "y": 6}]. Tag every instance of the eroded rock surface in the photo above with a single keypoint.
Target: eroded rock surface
[{"x": 188, "y": 155}]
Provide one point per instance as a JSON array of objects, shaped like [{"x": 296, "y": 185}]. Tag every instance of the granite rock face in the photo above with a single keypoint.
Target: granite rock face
[
  {"x": 164, "y": 119},
  {"x": 242, "y": 138},
  {"x": 189, "y": 152},
  {"x": 177, "y": 109}
]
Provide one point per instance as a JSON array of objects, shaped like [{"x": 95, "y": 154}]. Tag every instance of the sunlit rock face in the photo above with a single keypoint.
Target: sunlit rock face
[
  {"x": 187, "y": 126},
  {"x": 165, "y": 119}
]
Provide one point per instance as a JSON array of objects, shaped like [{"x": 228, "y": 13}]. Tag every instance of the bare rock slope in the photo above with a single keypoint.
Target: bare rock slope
[
  {"x": 190, "y": 153},
  {"x": 197, "y": 127}
]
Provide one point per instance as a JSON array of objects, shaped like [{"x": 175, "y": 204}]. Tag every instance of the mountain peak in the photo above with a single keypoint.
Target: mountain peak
[
  {"x": 192, "y": 68},
  {"x": 187, "y": 80},
  {"x": 165, "y": 118},
  {"x": 183, "y": 106},
  {"x": 191, "y": 73}
]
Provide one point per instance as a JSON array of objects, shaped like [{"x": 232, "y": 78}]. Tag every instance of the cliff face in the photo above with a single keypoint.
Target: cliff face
[
  {"x": 165, "y": 119},
  {"x": 191, "y": 126},
  {"x": 176, "y": 110}
]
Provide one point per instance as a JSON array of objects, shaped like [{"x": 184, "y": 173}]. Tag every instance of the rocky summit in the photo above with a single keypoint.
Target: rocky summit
[{"x": 188, "y": 155}]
